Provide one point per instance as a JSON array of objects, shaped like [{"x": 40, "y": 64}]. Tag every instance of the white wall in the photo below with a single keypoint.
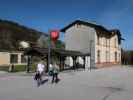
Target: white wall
[{"x": 80, "y": 39}]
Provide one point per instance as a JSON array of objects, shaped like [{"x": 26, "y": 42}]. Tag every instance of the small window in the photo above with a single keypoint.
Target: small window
[
  {"x": 13, "y": 58},
  {"x": 115, "y": 56},
  {"x": 115, "y": 43},
  {"x": 109, "y": 42},
  {"x": 78, "y": 25},
  {"x": 119, "y": 57},
  {"x": 107, "y": 56},
  {"x": 98, "y": 40},
  {"x": 106, "y": 42},
  {"x": 98, "y": 56},
  {"x": 23, "y": 59}
]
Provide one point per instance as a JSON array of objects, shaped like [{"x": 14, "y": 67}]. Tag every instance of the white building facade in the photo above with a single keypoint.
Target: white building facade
[{"x": 103, "y": 45}]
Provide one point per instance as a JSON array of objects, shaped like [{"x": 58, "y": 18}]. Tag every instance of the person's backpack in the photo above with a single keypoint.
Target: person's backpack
[{"x": 50, "y": 72}]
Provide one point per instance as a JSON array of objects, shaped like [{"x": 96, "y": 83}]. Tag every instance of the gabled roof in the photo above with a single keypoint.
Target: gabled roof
[
  {"x": 96, "y": 26},
  {"x": 91, "y": 24}
]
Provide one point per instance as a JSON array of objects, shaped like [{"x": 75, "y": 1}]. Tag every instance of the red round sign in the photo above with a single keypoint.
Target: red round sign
[{"x": 54, "y": 34}]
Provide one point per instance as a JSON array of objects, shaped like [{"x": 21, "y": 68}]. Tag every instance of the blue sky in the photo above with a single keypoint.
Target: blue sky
[{"x": 55, "y": 14}]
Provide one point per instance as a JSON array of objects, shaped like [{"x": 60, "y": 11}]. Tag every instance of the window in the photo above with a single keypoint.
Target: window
[
  {"x": 109, "y": 43},
  {"x": 98, "y": 40},
  {"x": 119, "y": 57},
  {"x": 98, "y": 56},
  {"x": 23, "y": 59},
  {"x": 106, "y": 42},
  {"x": 13, "y": 58},
  {"x": 115, "y": 43},
  {"x": 115, "y": 56},
  {"x": 78, "y": 25},
  {"x": 107, "y": 56}
]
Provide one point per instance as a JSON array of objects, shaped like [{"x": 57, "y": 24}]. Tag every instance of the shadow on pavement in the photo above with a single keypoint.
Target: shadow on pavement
[
  {"x": 44, "y": 81},
  {"x": 57, "y": 81}
]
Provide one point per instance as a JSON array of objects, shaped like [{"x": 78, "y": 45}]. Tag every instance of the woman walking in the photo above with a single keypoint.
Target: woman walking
[{"x": 55, "y": 73}]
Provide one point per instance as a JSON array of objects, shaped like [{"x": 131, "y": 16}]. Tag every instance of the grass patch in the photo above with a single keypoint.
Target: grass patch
[{"x": 18, "y": 68}]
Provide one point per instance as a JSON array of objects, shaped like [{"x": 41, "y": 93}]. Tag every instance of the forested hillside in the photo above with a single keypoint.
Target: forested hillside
[{"x": 12, "y": 33}]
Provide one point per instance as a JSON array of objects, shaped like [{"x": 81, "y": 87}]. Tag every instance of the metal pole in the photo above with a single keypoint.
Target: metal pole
[
  {"x": 28, "y": 64},
  {"x": 48, "y": 58},
  {"x": 90, "y": 54},
  {"x": 49, "y": 50}
]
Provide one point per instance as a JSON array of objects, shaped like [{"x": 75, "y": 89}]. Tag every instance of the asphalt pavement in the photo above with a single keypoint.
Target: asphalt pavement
[{"x": 115, "y": 83}]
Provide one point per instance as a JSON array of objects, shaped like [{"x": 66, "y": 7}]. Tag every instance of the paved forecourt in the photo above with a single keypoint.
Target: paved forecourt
[{"x": 114, "y": 83}]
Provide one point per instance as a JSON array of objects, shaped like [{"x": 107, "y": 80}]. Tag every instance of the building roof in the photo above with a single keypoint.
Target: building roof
[
  {"x": 11, "y": 51},
  {"x": 44, "y": 51},
  {"x": 70, "y": 52},
  {"x": 97, "y": 27},
  {"x": 91, "y": 24}
]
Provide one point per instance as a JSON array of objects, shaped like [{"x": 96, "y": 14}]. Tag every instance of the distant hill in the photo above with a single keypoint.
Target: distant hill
[
  {"x": 127, "y": 57},
  {"x": 11, "y": 33}
]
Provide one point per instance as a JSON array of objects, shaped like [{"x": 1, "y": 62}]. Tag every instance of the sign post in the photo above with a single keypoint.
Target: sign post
[{"x": 54, "y": 35}]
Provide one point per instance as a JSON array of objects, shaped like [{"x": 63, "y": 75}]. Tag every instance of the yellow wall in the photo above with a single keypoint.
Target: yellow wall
[{"x": 5, "y": 58}]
